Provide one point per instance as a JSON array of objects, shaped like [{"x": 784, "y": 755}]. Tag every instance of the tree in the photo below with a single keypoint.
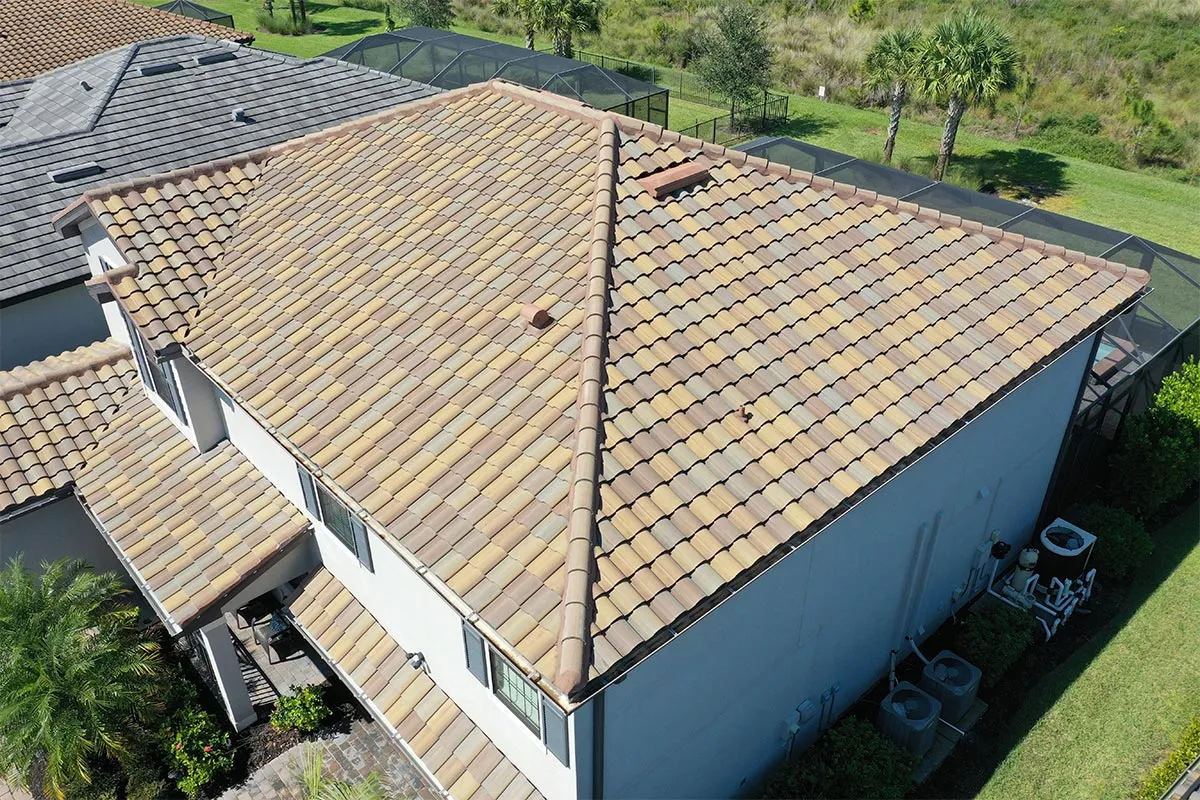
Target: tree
[
  {"x": 526, "y": 10},
  {"x": 427, "y": 13},
  {"x": 1139, "y": 110},
  {"x": 75, "y": 672},
  {"x": 1027, "y": 84},
  {"x": 893, "y": 63},
  {"x": 735, "y": 53},
  {"x": 967, "y": 60},
  {"x": 562, "y": 19}
]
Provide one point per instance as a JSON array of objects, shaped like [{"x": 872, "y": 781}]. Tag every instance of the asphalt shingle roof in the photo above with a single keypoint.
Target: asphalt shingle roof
[
  {"x": 730, "y": 366},
  {"x": 132, "y": 124},
  {"x": 50, "y": 411},
  {"x": 40, "y": 35}
]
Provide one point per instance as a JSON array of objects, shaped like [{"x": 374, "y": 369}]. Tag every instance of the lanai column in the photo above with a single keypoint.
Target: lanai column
[{"x": 218, "y": 647}]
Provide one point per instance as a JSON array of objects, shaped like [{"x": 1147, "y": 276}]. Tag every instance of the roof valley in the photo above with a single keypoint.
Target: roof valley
[{"x": 577, "y": 592}]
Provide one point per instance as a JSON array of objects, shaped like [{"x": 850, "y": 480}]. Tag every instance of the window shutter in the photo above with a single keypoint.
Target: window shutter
[
  {"x": 476, "y": 653},
  {"x": 362, "y": 545},
  {"x": 310, "y": 491},
  {"x": 554, "y": 731}
]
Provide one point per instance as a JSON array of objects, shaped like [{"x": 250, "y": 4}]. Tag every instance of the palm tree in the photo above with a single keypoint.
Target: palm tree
[
  {"x": 75, "y": 672},
  {"x": 319, "y": 786},
  {"x": 525, "y": 9},
  {"x": 562, "y": 19},
  {"x": 893, "y": 63},
  {"x": 968, "y": 59}
]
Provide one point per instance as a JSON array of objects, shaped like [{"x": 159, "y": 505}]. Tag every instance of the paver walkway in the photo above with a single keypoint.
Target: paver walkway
[
  {"x": 12, "y": 793},
  {"x": 365, "y": 749}
]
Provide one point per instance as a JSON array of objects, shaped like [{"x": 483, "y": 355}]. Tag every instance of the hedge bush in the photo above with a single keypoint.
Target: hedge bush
[
  {"x": 852, "y": 759},
  {"x": 199, "y": 749},
  {"x": 1122, "y": 543},
  {"x": 1157, "y": 457},
  {"x": 1163, "y": 776},
  {"x": 994, "y": 638},
  {"x": 303, "y": 710}
]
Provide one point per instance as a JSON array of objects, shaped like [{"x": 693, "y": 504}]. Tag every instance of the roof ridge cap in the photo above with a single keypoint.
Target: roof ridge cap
[
  {"x": 551, "y": 101},
  {"x": 43, "y": 373},
  {"x": 923, "y": 213},
  {"x": 573, "y": 632}
]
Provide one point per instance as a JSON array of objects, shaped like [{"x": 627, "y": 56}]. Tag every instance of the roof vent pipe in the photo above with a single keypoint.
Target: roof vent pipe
[
  {"x": 537, "y": 317},
  {"x": 238, "y": 115}
]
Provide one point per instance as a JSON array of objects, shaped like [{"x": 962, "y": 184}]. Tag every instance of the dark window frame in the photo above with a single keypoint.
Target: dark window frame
[
  {"x": 485, "y": 663},
  {"x": 502, "y": 674},
  {"x": 337, "y": 518},
  {"x": 160, "y": 378}
]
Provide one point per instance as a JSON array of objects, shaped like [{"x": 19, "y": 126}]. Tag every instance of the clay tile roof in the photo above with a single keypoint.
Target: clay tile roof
[
  {"x": 192, "y": 525},
  {"x": 49, "y": 413},
  {"x": 730, "y": 367},
  {"x": 40, "y": 35},
  {"x": 103, "y": 113},
  {"x": 463, "y": 759}
]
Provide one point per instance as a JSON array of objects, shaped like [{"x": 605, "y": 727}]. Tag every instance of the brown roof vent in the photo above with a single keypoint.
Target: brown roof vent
[
  {"x": 672, "y": 179},
  {"x": 537, "y": 317}
]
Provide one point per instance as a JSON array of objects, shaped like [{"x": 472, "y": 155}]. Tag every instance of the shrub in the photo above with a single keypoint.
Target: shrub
[
  {"x": 1157, "y": 456},
  {"x": 303, "y": 710},
  {"x": 282, "y": 24},
  {"x": 852, "y": 759},
  {"x": 1122, "y": 544},
  {"x": 994, "y": 638},
  {"x": 199, "y": 749},
  {"x": 1161, "y": 778}
]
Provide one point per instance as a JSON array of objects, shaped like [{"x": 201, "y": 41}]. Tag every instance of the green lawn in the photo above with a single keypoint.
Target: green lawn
[
  {"x": 1153, "y": 207},
  {"x": 1118, "y": 704}
]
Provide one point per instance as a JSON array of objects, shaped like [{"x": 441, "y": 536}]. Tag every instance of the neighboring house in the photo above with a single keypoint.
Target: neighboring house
[
  {"x": 50, "y": 412},
  {"x": 37, "y": 36},
  {"x": 616, "y": 446},
  {"x": 148, "y": 107}
]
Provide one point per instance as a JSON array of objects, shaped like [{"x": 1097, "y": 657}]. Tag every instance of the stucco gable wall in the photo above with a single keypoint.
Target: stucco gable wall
[{"x": 705, "y": 715}]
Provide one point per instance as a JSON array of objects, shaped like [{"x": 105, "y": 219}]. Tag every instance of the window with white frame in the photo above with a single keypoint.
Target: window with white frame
[
  {"x": 341, "y": 522},
  {"x": 537, "y": 711},
  {"x": 159, "y": 377}
]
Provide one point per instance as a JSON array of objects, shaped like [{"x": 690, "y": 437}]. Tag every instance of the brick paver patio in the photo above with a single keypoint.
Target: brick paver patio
[
  {"x": 365, "y": 749},
  {"x": 12, "y": 793}
]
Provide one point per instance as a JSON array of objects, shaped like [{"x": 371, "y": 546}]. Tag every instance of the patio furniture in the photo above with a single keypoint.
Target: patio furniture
[
  {"x": 275, "y": 636},
  {"x": 257, "y": 610}
]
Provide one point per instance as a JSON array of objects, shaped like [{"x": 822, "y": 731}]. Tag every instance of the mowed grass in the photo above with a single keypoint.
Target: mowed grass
[
  {"x": 1162, "y": 210},
  {"x": 1119, "y": 704},
  {"x": 1155, "y": 208}
]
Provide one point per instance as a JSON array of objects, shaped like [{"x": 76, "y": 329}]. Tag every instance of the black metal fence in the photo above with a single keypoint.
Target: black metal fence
[
  {"x": 1095, "y": 429},
  {"x": 747, "y": 119}
]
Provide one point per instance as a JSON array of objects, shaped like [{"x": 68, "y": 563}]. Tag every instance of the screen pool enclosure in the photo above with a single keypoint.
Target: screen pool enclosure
[
  {"x": 1165, "y": 315},
  {"x": 186, "y": 8},
  {"x": 451, "y": 60}
]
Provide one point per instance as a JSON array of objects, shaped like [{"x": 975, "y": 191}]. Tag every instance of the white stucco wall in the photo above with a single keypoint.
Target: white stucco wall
[
  {"x": 47, "y": 324},
  {"x": 413, "y": 613},
  {"x": 98, "y": 246},
  {"x": 705, "y": 715}
]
